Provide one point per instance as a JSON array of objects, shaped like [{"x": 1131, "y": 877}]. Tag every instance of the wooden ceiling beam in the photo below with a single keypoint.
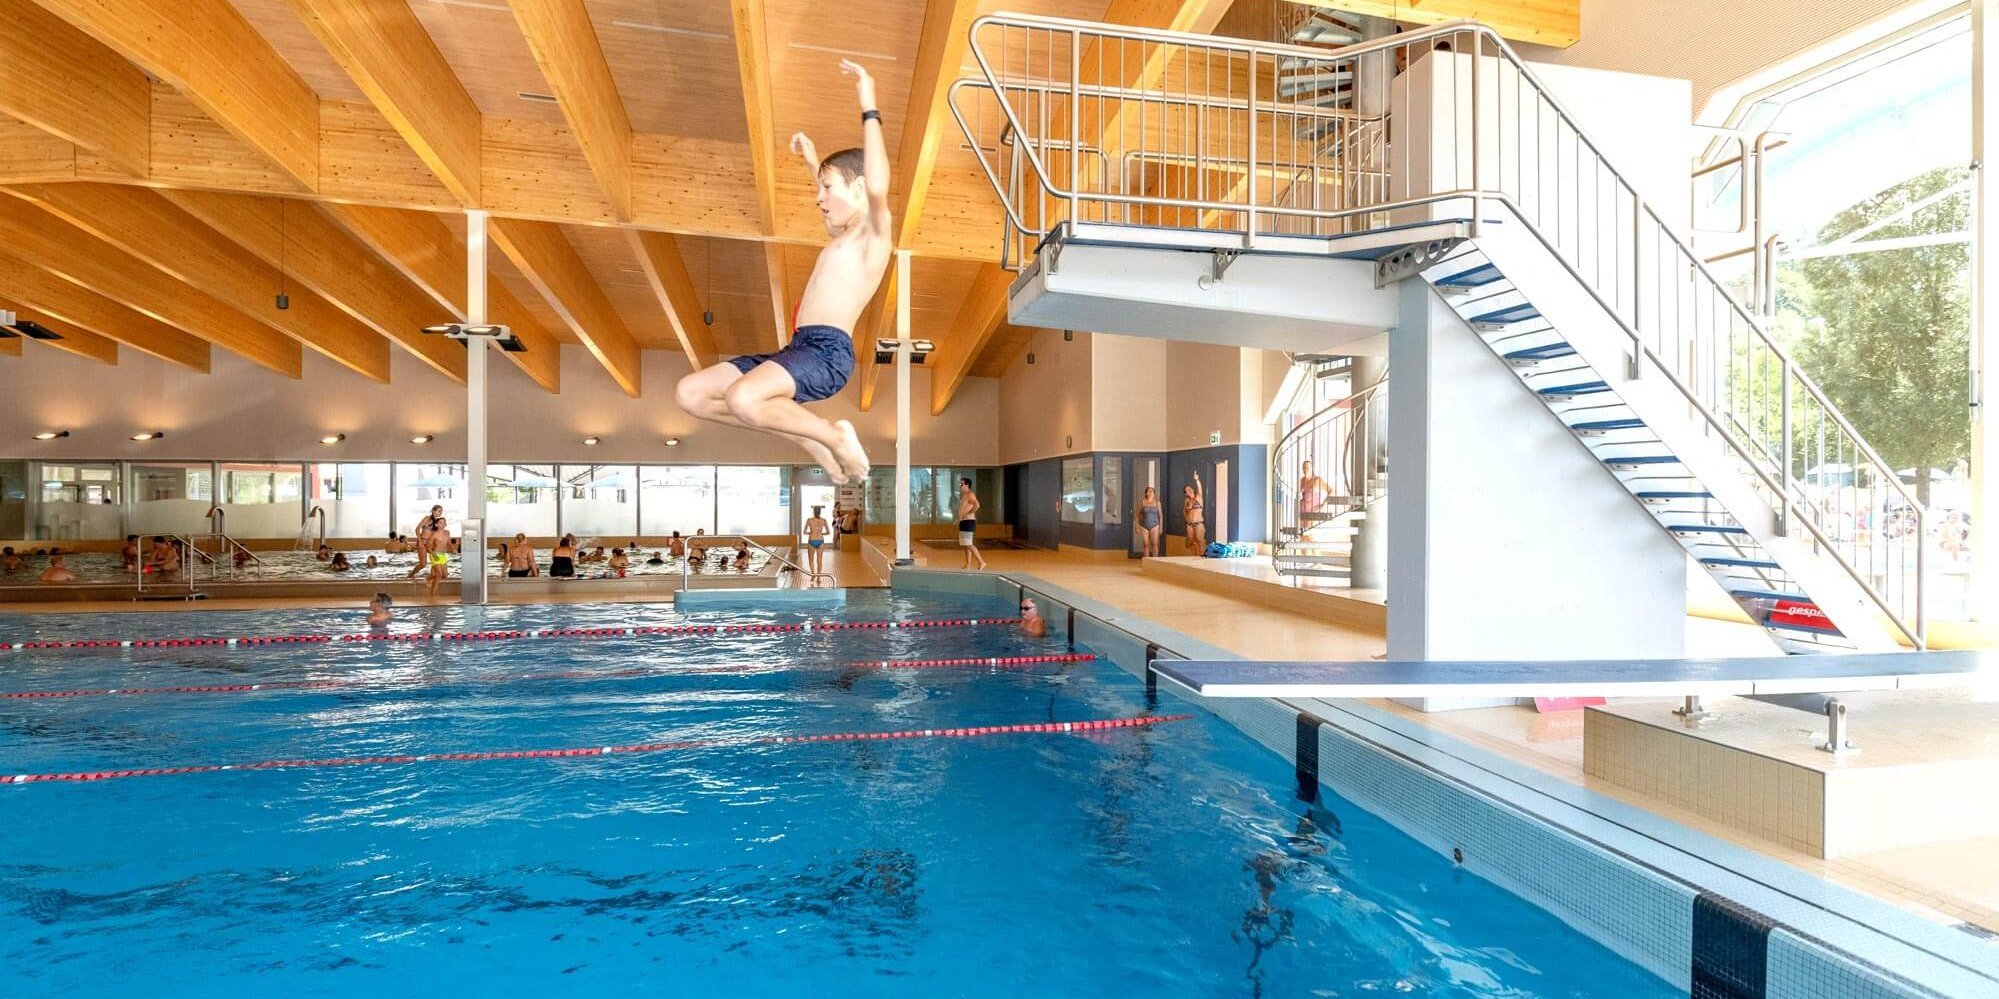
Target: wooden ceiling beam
[
  {"x": 777, "y": 278},
  {"x": 564, "y": 43},
  {"x": 391, "y": 57},
  {"x": 1543, "y": 22},
  {"x": 69, "y": 84},
  {"x": 143, "y": 223},
  {"x": 72, "y": 339},
  {"x": 10, "y": 346},
  {"x": 425, "y": 251},
  {"x": 83, "y": 260},
  {"x": 321, "y": 256},
  {"x": 753, "y": 67},
  {"x": 981, "y": 315},
  {"x": 208, "y": 52},
  {"x": 44, "y": 292},
  {"x": 878, "y": 324},
  {"x": 659, "y": 256},
  {"x": 941, "y": 51},
  {"x": 544, "y": 254}
]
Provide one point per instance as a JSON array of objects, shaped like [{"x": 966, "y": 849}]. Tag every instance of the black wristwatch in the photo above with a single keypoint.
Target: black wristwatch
[{"x": 871, "y": 115}]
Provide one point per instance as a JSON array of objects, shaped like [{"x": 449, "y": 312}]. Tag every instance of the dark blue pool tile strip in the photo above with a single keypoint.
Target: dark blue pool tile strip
[
  {"x": 1305, "y": 756},
  {"x": 1624, "y": 876},
  {"x": 1731, "y": 946}
]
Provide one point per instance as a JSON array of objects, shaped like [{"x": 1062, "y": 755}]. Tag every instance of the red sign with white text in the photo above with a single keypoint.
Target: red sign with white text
[{"x": 1798, "y": 614}]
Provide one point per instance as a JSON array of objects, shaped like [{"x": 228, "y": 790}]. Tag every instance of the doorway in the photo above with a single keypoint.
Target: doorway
[
  {"x": 806, "y": 498},
  {"x": 1144, "y": 474}
]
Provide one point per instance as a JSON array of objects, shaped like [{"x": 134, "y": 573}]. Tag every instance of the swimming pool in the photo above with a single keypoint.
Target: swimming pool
[
  {"x": 1166, "y": 860},
  {"x": 293, "y": 566}
]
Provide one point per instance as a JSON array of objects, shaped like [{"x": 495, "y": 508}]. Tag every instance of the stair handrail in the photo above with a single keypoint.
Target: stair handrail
[
  {"x": 1791, "y": 500},
  {"x": 1285, "y": 496}
]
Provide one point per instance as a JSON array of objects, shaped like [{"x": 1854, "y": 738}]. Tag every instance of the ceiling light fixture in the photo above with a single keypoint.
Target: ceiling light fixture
[
  {"x": 150, "y": 435},
  {"x": 49, "y": 435},
  {"x": 423, "y": 438},
  {"x": 333, "y": 438},
  {"x": 593, "y": 441},
  {"x": 850, "y": 53},
  {"x": 533, "y": 98},
  {"x": 673, "y": 442}
]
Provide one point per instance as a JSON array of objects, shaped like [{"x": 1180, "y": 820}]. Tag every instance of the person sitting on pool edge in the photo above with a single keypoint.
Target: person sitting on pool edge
[
  {"x": 378, "y": 610},
  {"x": 57, "y": 572},
  {"x": 742, "y": 551},
  {"x": 1032, "y": 624}
]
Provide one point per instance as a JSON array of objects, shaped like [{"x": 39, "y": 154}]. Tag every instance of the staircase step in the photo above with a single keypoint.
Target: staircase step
[
  {"x": 1545, "y": 352},
  {"x": 1663, "y": 495},
  {"x": 1705, "y": 529},
  {"x": 1740, "y": 563},
  {"x": 1286, "y": 557},
  {"x": 1797, "y": 598},
  {"x": 1477, "y": 277},
  {"x": 1317, "y": 573},
  {"x": 1640, "y": 460},
  {"x": 1800, "y": 626},
  {"x": 1598, "y": 426},
  {"x": 1579, "y": 388},
  {"x": 1511, "y": 314}
]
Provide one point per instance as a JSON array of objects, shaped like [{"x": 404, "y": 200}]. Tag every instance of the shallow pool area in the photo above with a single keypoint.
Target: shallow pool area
[
  {"x": 847, "y": 811},
  {"x": 108, "y": 568}
]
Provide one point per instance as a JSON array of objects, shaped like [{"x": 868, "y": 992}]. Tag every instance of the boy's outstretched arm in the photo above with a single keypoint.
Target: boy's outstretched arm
[{"x": 874, "y": 148}]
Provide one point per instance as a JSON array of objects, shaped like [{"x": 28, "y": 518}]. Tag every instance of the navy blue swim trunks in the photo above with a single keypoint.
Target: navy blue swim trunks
[{"x": 819, "y": 358}]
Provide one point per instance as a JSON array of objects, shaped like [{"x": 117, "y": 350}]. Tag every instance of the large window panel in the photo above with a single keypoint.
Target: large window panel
[
  {"x": 355, "y": 497},
  {"x": 521, "y": 499},
  {"x": 677, "y": 498},
  {"x": 422, "y": 486},
  {"x": 754, "y": 499},
  {"x": 171, "y": 497},
  {"x": 1079, "y": 491},
  {"x": 79, "y": 502},
  {"x": 601, "y": 503},
  {"x": 261, "y": 499}
]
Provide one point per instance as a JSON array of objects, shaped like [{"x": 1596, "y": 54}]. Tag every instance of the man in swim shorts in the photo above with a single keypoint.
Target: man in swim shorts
[
  {"x": 816, "y": 530},
  {"x": 968, "y": 523},
  {"x": 765, "y": 391}
]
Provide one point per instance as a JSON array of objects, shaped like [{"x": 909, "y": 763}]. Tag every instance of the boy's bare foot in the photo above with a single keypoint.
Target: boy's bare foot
[
  {"x": 825, "y": 459},
  {"x": 853, "y": 460}
]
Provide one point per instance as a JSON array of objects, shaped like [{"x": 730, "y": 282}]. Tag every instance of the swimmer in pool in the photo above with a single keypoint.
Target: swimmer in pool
[
  {"x": 816, "y": 530},
  {"x": 10, "y": 563},
  {"x": 57, "y": 572},
  {"x": 378, "y": 610},
  {"x": 1032, "y": 624},
  {"x": 655, "y": 560},
  {"x": 766, "y": 391},
  {"x": 130, "y": 553},
  {"x": 619, "y": 562}
]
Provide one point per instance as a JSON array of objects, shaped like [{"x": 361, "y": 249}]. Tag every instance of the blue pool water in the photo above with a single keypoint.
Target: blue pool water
[{"x": 1171, "y": 861}]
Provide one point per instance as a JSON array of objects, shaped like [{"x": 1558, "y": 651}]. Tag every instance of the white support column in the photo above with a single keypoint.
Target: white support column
[
  {"x": 903, "y": 554},
  {"x": 472, "y": 554},
  {"x": 1982, "y": 599}
]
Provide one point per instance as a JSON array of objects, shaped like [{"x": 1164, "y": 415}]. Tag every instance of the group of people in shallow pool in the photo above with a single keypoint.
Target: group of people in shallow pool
[{"x": 13, "y": 564}]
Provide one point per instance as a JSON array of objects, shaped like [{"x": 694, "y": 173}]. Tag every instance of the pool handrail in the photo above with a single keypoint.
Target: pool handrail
[{"x": 687, "y": 561}]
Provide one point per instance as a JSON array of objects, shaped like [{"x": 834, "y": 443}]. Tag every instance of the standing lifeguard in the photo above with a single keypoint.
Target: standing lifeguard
[{"x": 764, "y": 391}]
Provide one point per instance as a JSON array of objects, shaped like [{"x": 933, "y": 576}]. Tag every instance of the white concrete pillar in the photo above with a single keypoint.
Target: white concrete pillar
[
  {"x": 1982, "y": 599},
  {"x": 1369, "y": 561},
  {"x": 903, "y": 553},
  {"x": 472, "y": 552}
]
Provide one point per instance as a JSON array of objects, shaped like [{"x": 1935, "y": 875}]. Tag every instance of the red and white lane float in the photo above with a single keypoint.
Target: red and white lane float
[
  {"x": 505, "y": 635},
  {"x": 1088, "y": 727}
]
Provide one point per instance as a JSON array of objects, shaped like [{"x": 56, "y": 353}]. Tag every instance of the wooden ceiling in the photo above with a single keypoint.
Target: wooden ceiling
[{"x": 167, "y": 164}]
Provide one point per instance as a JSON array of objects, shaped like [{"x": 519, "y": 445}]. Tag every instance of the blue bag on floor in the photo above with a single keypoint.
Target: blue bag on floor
[{"x": 1231, "y": 549}]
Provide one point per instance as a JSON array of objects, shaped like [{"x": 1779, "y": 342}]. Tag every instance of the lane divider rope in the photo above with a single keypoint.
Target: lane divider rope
[
  {"x": 996, "y": 662},
  {"x": 505, "y": 635},
  {"x": 978, "y": 731}
]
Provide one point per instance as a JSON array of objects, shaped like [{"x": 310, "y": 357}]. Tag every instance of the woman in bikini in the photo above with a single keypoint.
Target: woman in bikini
[
  {"x": 520, "y": 559},
  {"x": 1193, "y": 507}
]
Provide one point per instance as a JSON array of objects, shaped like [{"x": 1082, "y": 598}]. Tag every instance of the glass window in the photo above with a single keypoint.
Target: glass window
[
  {"x": 1078, "y": 491},
  {"x": 521, "y": 499},
  {"x": 677, "y": 498},
  {"x": 355, "y": 498},
  {"x": 601, "y": 504},
  {"x": 13, "y": 499},
  {"x": 1113, "y": 491},
  {"x": 261, "y": 500},
  {"x": 990, "y": 484},
  {"x": 79, "y": 502},
  {"x": 753, "y": 499},
  {"x": 171, "y": 497},
  {"x": 420, "y": 487}
]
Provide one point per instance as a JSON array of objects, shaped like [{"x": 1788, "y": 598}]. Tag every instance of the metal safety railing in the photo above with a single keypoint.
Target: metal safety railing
[
  {"x": 1332, "y": 464},
  {"x": 1256, "y": 140},
  {"x": 688, "y": 575}
]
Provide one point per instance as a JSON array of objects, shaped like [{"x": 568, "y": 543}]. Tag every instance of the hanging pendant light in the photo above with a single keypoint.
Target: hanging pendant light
[{"x": 284, "y": 301}]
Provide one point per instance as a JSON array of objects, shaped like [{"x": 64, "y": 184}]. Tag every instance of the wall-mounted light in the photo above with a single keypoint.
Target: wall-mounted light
[
  {"x": 673, "y": 442},
  {"x": 150, "y": 435},
  {"x": 1068, "y": 336},
  {"x": 423, "y": 438},
  {"x": 49, "y": 435},
  {"x": 593, "y": 441},
  {"x": 332, "y": 438},
  {"x": 1030, "y": 357}
]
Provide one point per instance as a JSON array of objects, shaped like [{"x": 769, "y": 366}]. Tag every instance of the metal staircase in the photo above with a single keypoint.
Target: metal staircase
[
  {"x": 1326, "y": 473},
  {"x": 1475, "y": 179}
]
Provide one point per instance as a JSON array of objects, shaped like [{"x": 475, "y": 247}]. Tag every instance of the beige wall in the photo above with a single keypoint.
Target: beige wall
[
  {"x": 1044, "y": 407},
  {"x": 1205, "y": 384},
  {"x": 1128, "y": 379},
  {"x": 1713, "y": 43},
  {"x": 242, "y": 411}
]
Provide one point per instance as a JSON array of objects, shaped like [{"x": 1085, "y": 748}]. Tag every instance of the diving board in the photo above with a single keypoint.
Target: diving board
[{"x": 1583, "y": 678}]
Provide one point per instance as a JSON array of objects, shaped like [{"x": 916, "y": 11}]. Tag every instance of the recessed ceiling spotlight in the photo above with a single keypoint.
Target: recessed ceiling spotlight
[
  {"x": 333, "y": 438},
  {"x": 150, "y": 435},
  {"x": 593, "y": 441},
  {"x": 673, "y": 442},
  {"x": 423, "y": 438},
  {"x": 49, "y": 435}
]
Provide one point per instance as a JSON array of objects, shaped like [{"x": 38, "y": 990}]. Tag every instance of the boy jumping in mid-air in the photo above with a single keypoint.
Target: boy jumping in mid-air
[{"x": 764, "y": 391}]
